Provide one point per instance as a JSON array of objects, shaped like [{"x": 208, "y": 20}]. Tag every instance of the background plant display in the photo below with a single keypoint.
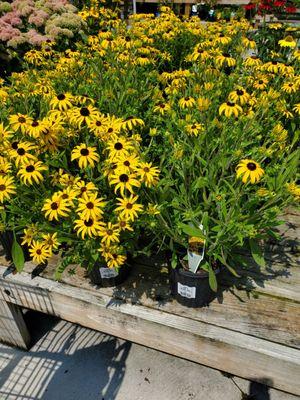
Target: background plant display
[
  {"x": 146, "y": 133},
  {"x": 29, "y": 24}
]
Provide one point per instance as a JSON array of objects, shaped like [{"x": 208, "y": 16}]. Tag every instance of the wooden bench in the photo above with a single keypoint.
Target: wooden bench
[{"x": 251, "y": 332}]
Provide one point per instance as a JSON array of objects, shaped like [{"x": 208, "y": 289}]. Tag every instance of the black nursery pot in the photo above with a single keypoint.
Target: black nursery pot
[
  {"x": 6, "y": 240},
  {"x": 107, "y": 277},
  {"x": 191, "y": 289}
]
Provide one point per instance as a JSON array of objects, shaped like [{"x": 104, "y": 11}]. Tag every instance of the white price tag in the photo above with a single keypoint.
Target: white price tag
[
  {"x": 186, "y": 291},
  {"x": 108, "y": 272}
]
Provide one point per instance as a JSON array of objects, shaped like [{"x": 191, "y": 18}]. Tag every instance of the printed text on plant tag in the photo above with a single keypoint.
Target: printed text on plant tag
[{"x": 186, "y": 291}]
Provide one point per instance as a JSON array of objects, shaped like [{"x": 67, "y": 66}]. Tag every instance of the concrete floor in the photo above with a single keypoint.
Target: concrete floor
[{"x": 68, "y": 362}]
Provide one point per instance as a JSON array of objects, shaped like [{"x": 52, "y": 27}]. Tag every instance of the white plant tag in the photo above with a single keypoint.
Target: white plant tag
[
  {"x": 186, "y": 291},
  {"x": 108, "y": 273},
  {"x": 194, "y": 259}
]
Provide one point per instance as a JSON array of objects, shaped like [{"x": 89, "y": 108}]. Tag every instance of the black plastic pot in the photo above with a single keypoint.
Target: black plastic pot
[
  {"x": 6, "y": 240},
  {"x": 106, "y": 277},
  {"x": 191, "y": 289}
]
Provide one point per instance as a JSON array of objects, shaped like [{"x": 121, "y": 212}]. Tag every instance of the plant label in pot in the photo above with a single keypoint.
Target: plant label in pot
[
  {"x": 195, "y": 252},
  {"x": 108, "y": 273}
]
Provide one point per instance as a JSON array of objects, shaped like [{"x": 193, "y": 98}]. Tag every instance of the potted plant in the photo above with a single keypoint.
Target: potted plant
[{"x": 228, "y": 157}]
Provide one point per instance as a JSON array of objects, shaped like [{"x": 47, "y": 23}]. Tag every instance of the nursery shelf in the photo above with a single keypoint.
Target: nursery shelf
[{"x": 252, "y": 331}]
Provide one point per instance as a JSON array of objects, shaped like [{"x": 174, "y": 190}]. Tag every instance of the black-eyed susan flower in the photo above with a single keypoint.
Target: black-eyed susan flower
[
  {"x": 118, "y": 147},
  {"x": 230, "y": 108},
  {"x": 128, "y": 208},
  {"x": 20, "y": 152},
  {"x": 203, "y": 103},
  {"x": 123, "y": 224},
  {"x": 132, "y": 122},
  {"x": 252, "y": 61},
  {"x": 109, "y": 233},
  {"x": 87, "y": 156},
  {"x": 7, "y": 188},
  {"x": 84, "y": 187},
  {"x": 249, "y": 170},
  {"x": 187, "y": 102},
  {"x": 31, "y": 172},
  {"x": 225, "y": 59},
  {"x": 90, "y": 206},
  {"x": 194, "y": 129},
  {"x": 5, "y": 166},
  {"x": 296, "y": 108},
  {"x": 87, "y": 227},
  {"x": 29, "y": 235},
  {"x": 162, "y": 108},
  {"x": 288, "y": 41},
  {"x": 50, "y": 241},
  {"x": 115, "y": 260},
  {"x": 148, "y": 173},
  {"x": 5, "y": 135},
  {"x": 81, "y": 115},
  {"x": 39, "y": 252},
  {"x": 260, "y": 83},
  {"x": 56, "y": 207},
  {"x": 128, "y": 161},
  {"x": 123, "y": 181},
  {"x": 62, "y": 101},
  {"x": 239, "y": 96},
  {"x": 294, "y": 190},
  {"x": 20, "y": 121},
  {"x": 69, "y": 194},
  {"x": 290, "y": 87}
]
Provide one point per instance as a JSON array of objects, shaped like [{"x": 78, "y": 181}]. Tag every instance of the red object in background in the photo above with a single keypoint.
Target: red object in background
[
  {"x": 291, "y": 9},
  {"x": 249, "y": 6},
  {"x": 279, "y": 3}
]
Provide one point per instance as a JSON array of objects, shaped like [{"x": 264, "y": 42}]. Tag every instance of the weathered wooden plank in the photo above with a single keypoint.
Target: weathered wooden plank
[
  {"x": 13, "y": 330},
  {"x": 220, "y": 348}
]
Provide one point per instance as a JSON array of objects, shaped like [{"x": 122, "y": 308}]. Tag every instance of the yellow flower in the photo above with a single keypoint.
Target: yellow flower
[
  {"x": 30, "y": 172},
  {"x": 123, "y": 180},
  {"x": 186, "y": 102},
  {"x": 39, "y": 252},
  {"x": 249, "y": 169},
  {"x": 119, "y": 147},
  {"x": 19, "y": 121},
  {"x": 290, "y": 87},
  {"x": 20, "y": 152},
  {"x": 7, "y": 188},
  {"x": 80, "y": 115},
  {"x": 162, "y": 108},
  {"x": 230, "y": 108},
  {"x": 294, "y": 189},
  {"x": 87, "y": 156},
  {"x": 29, "y": 235},
  {"x": 194, "y": 129},
  {"x": 81, "y": 187},
  {"x": 50, "y": 241},
  {"x": 115, "y": 260},
  {"x": 87, "y": 227},
  {"x": 203, "y": 103},
  {"x": 296, "y": 108},
  {"x": 132, "y": 122},
  {"x": 109, "y": 233},
  {"x": 128, "y": 208},
  {"x": 148, "y": 173},
  {"x": 225, "y": 59},
  {"x": 288, "y": 41},
  {"x": 56, "y": 207},
  {"x": 239, "y": 96},
  {"x": 89, "y": 206}
]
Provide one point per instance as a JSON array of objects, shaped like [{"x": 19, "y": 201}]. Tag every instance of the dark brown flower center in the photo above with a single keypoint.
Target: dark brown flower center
[
  {"x": 109, "y": 232},
  {"x": 2, "y": 188},
  {"x": 35, "y": 123},
  {"x": 260, "y": 82},
  {"x": 61, "y": 97},
  {"x": 98, "y": 123},
  {"x": 89, "y": 222},
  {"x": 129, "y": 206},
  {"x": 124, "y": 178},
  {"x": 118, "y": 146},
  {"x": 230, "y": 104},
  {"x": 146, "y": 169},
  {"x": 30, "y": 168},
  {"x": 54, "y": 205},
  {"x": 21, "y": 151},
  {"x": 90, "y": 205},
  {"x": 22, "y": 120},
  {"x": 84, "y": 152},
  {"x": 110, "y": 130},
  {"x": 126, "y": 163},
  {"x": 39, "y": 252},
  {"x": 85, "y": 112},
  {"x": 251, "y": 166},
  {"x": 240, "y": 92},
  {"x": 65, "y": 196},
  {"x": 186, "y": 98},
  {"x": 15, "y": 145},
  {"x": 274, "y": 62}
]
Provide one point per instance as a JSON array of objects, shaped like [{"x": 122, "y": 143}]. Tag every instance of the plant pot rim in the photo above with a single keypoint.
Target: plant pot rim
[{"x": 200, "y": 274}]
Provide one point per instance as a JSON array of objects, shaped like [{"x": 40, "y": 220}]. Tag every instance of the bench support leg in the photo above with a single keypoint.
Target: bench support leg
[{"x": 13, "y": 329}]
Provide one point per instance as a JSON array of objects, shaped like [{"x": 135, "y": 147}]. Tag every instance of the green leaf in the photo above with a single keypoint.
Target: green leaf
[
  {"x": 212, "y": 279},
  {"x": 257, "y": 253},
  {"x": 174, "y": 261},
  {"x": 17, "y": 256},
  {"x": 191, "y": 231}
]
